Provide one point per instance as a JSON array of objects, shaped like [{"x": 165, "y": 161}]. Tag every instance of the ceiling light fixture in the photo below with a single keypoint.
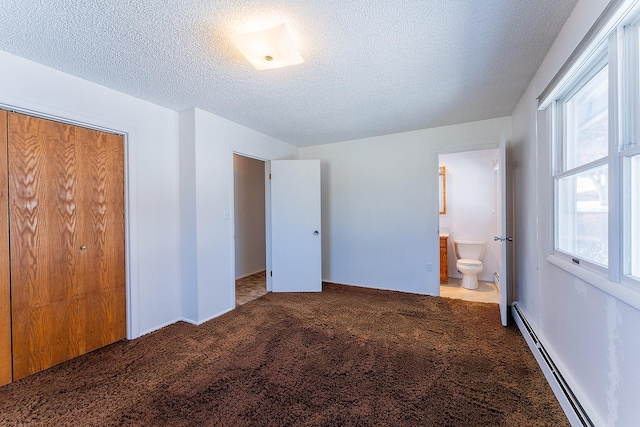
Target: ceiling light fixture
[{"x": 267, "y": 49}]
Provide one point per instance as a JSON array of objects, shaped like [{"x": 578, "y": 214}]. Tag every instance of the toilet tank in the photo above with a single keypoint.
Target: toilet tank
[{"x": 469, "y": 249}]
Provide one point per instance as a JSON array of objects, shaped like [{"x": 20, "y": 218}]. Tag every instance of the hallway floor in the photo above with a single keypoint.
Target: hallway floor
[
  {"x": 255, "y": 286},
  {"x": 251, "y": 287},
  {"x": 486, "y": 291}
]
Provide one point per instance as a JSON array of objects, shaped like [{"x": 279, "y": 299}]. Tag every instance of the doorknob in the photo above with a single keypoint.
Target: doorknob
[
  {"x": 316, "y": 232},
  {"x": 83, "y": 248}
]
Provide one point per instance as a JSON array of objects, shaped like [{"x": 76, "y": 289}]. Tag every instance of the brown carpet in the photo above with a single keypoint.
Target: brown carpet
[{"x": 345, "y": 357}]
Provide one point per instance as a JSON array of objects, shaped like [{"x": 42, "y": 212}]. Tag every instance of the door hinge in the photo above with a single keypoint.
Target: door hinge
[
  {"x": 269, "y": 176},
  {"x": 271, "y": 273}
]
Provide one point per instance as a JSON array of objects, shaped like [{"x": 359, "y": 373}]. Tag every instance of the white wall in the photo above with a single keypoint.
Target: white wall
[
  {"x": 591, "y": 335},
  {"x": 248, "y": 176},
  {"x": 471, "y": 213},
  {"x": 179, "y": 178},
  {"x": 188, "y": 247},
  {"x": 207, "y": 224},
  {"x": 380, "y": 204},
  {"x": 153, "y": 263}
]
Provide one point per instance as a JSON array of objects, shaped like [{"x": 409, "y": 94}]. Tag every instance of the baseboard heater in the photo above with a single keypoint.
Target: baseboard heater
[{"x": 579, "y": 411}]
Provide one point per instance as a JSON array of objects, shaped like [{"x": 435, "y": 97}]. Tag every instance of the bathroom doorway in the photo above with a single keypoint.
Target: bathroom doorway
[
  {"x": 249, "y": 228},
  {"x": 472, "y": 213}
]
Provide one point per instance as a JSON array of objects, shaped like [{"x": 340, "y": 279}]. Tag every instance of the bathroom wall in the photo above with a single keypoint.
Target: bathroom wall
[{"x": 471, "y": 205}]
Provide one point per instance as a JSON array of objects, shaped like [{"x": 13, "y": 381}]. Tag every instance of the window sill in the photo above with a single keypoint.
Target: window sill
[{"x": 620, "y": 291}]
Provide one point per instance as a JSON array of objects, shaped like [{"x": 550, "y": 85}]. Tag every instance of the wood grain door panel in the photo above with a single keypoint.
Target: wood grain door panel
[
  {"x": 43, "y": 234},
  {"x": 101, "y": 227},
  {"x": 63, "y": 302},
  {"x": 5, "y": 285}
]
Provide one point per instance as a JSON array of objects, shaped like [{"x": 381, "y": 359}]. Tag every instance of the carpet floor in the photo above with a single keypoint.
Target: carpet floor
[{"x": 345, "y": 357}]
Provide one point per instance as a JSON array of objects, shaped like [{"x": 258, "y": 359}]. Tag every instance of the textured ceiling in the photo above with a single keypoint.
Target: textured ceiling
[{"x": 372, "y": 67}]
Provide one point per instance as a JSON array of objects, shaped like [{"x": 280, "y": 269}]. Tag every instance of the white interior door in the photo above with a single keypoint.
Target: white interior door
[
  {"x": 502, "y": 229},
  {"x": 296, "y": 251}
]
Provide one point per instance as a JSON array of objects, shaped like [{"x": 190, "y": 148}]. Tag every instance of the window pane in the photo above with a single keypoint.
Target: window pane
[
  {"x": 634, "y": 215},
  {"x": 582, "y": 209},
  {"x": 587, "y": 122}
]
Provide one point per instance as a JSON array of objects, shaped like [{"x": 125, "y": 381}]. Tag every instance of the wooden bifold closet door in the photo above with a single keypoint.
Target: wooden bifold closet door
[{"x": 66, "y": 225}]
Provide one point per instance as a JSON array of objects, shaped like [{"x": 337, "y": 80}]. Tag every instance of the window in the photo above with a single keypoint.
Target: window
[
  {"x": 581, "y": 183},
  {"x": 595, "y": 110},
  {"x": 582, "y": 225},
  {"x": 587, "y": 122}
]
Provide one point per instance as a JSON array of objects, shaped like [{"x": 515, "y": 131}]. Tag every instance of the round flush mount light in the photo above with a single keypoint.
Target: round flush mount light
[{"x": 269, "y": 48}]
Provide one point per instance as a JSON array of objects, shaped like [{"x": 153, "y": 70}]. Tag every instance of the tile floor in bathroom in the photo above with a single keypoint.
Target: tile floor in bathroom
[{"x": 486, "y": 291}]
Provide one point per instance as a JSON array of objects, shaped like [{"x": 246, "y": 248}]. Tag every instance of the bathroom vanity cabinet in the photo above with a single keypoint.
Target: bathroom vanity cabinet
[{"x": 444, "y": 260}]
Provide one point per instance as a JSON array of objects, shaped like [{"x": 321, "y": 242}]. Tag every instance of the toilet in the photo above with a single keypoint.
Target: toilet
[{"x": 469, "y": 254}]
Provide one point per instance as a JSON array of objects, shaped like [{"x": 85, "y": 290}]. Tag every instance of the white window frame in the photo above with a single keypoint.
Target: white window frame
[
  {"x": 614, "y": 40},
  {"x": 599, "y": 60},
  {"x": 627, "y": 250}
]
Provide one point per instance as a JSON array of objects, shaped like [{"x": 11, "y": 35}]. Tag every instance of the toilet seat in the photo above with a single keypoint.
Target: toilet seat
[{"x": 470, "y": 262}]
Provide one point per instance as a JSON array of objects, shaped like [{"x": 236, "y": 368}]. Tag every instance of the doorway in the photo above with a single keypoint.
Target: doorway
[
  {"x": 472, "y": 213},
  {"x": 249, "y": 228}
]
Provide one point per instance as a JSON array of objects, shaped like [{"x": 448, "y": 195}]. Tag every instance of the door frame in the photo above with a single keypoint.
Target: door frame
[
  {"x": 267, "y": 219},
  {"x": 436, "y": 210},
  {"x": 132, "y": 284}
]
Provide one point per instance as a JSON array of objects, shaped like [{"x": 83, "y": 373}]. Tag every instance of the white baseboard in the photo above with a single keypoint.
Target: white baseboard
[
  {"x": 572, "y": 408},
  {"x": 200, "y": 322},
  {"x": 164, "y": 325},
  {"x": 184, "y": 319},
  {"x": 249, "y": 274}
]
